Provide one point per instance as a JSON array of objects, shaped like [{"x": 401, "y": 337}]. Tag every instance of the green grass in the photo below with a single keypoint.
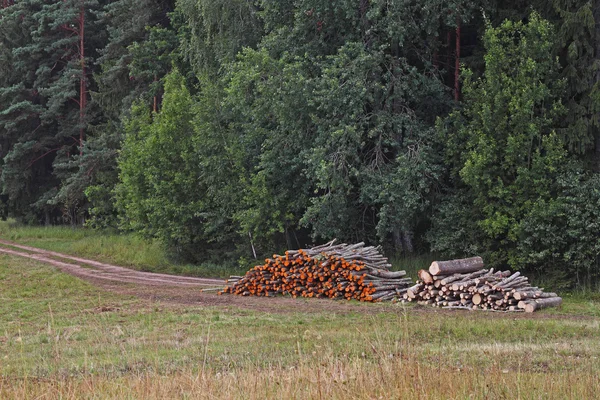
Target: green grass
[
  {"x": 412, "y": 264},
  {"x": 63, "y": 338}
]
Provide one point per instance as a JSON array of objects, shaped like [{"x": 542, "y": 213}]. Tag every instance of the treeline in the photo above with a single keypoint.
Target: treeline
[{"x": 229, "y": 128}]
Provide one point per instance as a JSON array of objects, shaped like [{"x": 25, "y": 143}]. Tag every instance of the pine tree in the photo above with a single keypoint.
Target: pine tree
[
  {"x": 579, "y": 49},
  {"x": 45, "y": 112}
]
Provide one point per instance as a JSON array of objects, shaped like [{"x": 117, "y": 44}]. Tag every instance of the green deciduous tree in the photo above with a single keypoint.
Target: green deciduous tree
[
  {"x": 513, "y": 157},
  {"x": 177, "y": 172},
  {"x": 154, "y": 168}
]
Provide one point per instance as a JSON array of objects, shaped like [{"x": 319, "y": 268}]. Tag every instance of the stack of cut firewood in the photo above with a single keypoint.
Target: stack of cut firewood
[
  {"x": 338, "y": 271},
  {"x": 466, "y": 284}
]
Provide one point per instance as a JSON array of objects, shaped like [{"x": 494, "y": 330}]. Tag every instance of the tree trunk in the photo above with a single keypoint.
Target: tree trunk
[
  {"x": 82, "y": 83},
  {"x": 532, "y": 305},
  {"x": 407, "y": 242},
  {"x": 457, "y": 62},
  {"x": 397, "y": 239},
  {"x": 288, "y": 239},
  {"x": 596, "y": 14},
  {"x": 252, "y": 245},
  {"x": 456, "y": 266}
]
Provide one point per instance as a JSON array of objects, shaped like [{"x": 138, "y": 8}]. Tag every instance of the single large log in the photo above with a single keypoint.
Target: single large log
[
  {"x": 425, "y": 276},
  {"x": 532, "y": 305},
  {"x": 532, "y": 294},
  {"x": 456, "y": 266},
  {"x": 380, "y": 282},
  {"x": 386, "y": 274}
]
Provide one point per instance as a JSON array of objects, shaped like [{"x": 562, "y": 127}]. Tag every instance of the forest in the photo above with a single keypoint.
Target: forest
[{"x": 230, "y": 129}]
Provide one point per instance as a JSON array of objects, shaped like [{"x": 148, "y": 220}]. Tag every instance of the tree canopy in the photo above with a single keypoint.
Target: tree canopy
[{"x": 234, "y": 127}]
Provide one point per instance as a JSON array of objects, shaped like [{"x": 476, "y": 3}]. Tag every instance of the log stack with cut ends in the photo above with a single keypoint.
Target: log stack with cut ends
[
  {"x": 467, "y": 284},
  {"x": 332, "y": 270}
]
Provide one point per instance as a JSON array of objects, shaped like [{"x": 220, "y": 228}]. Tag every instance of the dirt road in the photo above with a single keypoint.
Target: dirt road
[
  {"x": 98, "y": 271},
  {"x": 170, "y": 288}
]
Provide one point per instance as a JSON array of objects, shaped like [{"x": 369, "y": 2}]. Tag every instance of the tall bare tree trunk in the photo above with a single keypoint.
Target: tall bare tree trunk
[
  {"x": 596, "y": 13},
  {"x": 457, "y": 62},
  {"x": 407, "y": 241},
  {"x": 397, "y": 239},
  {"x": 82, "y": 80}
]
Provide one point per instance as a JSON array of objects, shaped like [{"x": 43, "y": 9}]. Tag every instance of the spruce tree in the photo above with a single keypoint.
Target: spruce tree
[{"x": 45, "y": 107}]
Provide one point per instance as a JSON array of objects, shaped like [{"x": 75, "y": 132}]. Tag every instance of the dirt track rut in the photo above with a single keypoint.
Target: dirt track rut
[{"x": 94, "y": 270}]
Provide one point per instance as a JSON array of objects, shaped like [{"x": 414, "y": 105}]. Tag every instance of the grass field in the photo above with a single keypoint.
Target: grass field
[{"x": 62, "y": 338}]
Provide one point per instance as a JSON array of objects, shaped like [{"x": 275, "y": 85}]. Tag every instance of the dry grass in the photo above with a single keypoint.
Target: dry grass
[{"x": 328, "y": 379}]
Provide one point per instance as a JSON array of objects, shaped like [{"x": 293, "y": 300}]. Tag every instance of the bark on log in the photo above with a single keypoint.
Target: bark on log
[
  {"x": 534, "y": 294},
  {"x": 532, "y": 305},
  {"x": 387, "y": 274},
  {"x": 413, "y": 290},
  {"x": 425, "y": 276},
  {"x": 459, "y": 278},
  {"x": 456, "y": 266}
]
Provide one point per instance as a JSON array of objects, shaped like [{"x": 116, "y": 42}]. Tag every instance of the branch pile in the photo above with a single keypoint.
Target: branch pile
[
  {"x": 337, "y": 271},
  {"x": 466, "y": 284}
]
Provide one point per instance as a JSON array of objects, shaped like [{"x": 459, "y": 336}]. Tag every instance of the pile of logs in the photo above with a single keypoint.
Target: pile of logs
[
  {"x": 466, "y": 284},
  {"x": 337, "y": 271}
]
